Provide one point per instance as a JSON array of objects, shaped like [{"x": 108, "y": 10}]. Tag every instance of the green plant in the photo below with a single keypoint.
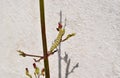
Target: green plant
[{"x": 46, "y": 53}]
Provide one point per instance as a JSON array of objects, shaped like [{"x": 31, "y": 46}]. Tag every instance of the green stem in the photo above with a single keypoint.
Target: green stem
[{"x": 43, "y": 31}]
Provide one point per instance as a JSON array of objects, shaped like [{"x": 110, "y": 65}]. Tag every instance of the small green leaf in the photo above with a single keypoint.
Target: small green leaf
[
  {"x": 21, "y": 53},
  {"x": 27, "y": 73}
]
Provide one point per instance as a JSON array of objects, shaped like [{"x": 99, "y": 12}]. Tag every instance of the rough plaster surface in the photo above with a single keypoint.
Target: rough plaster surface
[{"x": 96, "y": 46}]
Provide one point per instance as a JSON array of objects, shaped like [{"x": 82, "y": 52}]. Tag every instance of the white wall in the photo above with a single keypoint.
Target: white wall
[{"x": 96, "y": 45}]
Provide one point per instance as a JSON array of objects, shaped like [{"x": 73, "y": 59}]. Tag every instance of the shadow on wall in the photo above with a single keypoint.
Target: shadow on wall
[{"x": 68, "y": 61}]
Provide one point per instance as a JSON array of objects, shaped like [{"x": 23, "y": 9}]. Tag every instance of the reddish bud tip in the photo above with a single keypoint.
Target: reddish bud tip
[
  {"x": 59, "y": 25},
  {"x": 43, "y": 72},
  {"x": 26, "y": 69},
  {"x": 34, "y": 65}
]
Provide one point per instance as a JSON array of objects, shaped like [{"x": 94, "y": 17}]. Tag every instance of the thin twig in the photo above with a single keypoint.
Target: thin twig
[{"x": 21, "y": 53}]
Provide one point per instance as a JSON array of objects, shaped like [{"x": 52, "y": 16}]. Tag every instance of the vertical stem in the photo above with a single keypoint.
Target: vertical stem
[
  {"x": 59, "y": 52},
  {"x": 59, "y": 61},
  {"x": 43, "y": 31}
]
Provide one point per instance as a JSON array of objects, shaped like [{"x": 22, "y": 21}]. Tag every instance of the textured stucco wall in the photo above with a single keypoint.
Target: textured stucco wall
[{"x": 96, "y": 45}]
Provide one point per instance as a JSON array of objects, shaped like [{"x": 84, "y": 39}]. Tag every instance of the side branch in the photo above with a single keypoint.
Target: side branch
[
  {"x": 21, "y": 53},
  {"x": 68, "y": 36}
]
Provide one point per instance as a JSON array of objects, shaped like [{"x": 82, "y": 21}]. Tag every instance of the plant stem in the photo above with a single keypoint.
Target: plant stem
[
  {"x": 59, "y": 61},
  {"x": 43, "y": 31}
]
